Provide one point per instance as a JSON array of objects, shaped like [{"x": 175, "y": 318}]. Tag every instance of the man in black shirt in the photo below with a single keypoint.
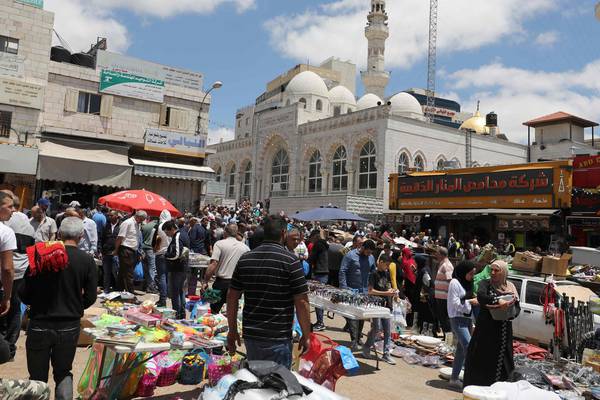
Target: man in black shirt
[
  {"x": 273, "y": 284},
  {"x": 57, "y": 301}
]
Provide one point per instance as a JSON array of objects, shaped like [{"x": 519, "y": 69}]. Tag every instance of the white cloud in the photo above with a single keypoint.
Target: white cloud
[
  {"x": 546, "y": 38},
  {"x": 518, "y": 95},
  {"x": 337, "y": 28},
  {"x": 79, "y": 22},
  {"x": 219, "y": 135}
]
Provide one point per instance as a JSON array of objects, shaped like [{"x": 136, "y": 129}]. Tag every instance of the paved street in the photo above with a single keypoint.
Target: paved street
[{"x": 401, "y": 381}]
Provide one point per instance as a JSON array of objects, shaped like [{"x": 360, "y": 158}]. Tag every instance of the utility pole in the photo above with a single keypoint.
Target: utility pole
[{"x": 431, "y": 59}]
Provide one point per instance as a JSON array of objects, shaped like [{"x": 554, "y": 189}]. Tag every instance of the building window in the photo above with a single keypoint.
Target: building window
[
  {"x": 337, "y": 110},
  {"x": 319, "y": 105},
  {"x": 280, "y": 173},
  {"x": 5, "y": 122},
  {"x": 440, "y": 165},
  {"x": 9, "y": 45},
  {"x": 367, "y": 173},
  {"x": 315, "y": 180},
  {"x": 218, "y": 174},
  {"x": 239, "y": 123},
  {"x": 231, "y": 183},
  {"x": 340, "y": 174},
  {"x": 247, "y": 181},
  {"x": 89, "y": 103},
  {"x": 419, "y": 163},
  {"x": 247, "y": 120},
  {"x": 303, "y": 102},
  {"x": 403, "y": 163}
]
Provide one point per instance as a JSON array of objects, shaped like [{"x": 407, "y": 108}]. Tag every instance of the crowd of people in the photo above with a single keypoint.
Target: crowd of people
[{"x": 254, "y": 254}]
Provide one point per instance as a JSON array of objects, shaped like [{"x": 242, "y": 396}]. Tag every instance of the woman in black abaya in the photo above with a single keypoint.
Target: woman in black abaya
[{"x": 490, "y": 353}]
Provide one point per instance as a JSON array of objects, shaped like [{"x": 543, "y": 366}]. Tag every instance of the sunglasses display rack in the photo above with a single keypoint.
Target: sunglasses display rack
[{"x": 347, "y": 302}]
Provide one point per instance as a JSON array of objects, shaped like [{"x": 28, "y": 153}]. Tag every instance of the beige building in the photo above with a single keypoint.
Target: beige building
[{"x": 106, "y": 121}]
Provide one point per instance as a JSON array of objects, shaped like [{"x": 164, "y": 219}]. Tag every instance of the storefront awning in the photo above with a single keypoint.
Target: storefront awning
[
  {"x": 84, "y": 162},
  {"x": 482, "y": 211},
  {"x": 16, "y": 159},
  {"x": 164, "y": 170}
]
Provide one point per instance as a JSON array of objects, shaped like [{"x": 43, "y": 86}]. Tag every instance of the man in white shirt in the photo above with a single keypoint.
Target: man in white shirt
[
  {"x": 89, "y": 241},
  {"x": 10, "y": 324},
  {"x": 225, "y": 256},
  {"x": 8, "y": 243},
  {"x": 44, "y": 226},
  {"x": 126, "y": 248}
]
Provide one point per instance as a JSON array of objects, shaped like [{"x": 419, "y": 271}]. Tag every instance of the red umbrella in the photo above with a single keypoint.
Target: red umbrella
[{"x": 133, "y": 200}]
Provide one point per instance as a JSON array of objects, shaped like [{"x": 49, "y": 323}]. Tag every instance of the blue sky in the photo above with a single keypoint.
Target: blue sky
[{"x": 522, "y": 59}]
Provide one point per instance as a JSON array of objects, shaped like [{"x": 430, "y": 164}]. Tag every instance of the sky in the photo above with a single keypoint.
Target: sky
[{"x": 521, "y": 59}]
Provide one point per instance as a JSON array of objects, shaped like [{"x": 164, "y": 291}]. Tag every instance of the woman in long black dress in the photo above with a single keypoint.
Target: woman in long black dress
[{"x": 490, "y": 353}]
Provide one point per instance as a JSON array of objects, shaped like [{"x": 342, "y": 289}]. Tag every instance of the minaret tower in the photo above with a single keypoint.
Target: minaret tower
[{"x": 375, "y": 78}]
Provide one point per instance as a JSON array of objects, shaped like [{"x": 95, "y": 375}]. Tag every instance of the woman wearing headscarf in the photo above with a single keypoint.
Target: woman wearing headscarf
[
  {"x": 425, "y": 302},
  {"x": 409, "y": 268},
  {"x": 490, "y": 353},
  {"x": 460, "y": 293}
]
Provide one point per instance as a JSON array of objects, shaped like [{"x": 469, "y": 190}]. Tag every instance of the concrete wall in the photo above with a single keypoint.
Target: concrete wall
[
  {"x": 562, "y": 150},
  {"x": 130, "y": 117},
  {"x": 243, "y": 122},
  {"x": 555, "y": 133},
  {"x": 33, "y": 28}
]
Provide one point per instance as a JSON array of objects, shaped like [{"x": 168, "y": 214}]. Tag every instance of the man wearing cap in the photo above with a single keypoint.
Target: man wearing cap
[
  {"x": 44, "y": 226},
  {"x": 126, "y": 248}
]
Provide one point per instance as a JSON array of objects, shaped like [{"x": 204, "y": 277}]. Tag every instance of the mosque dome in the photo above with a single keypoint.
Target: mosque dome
[
  {"x": 405, "y": 103},
  {"x": 307, "y": 82},
  {"x": 341, "y": 95},
  {"x": 475, "y": 123},
  {"x": 368, "y": 100}
]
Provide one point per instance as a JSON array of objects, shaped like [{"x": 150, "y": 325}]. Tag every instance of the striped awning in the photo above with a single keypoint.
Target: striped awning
[{"x": 164, "y": 170}]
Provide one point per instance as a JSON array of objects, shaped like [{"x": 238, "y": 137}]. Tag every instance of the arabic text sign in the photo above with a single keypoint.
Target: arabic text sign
[
  {"x": 11, "y": 65},
  {"x": 22, "y": 94},
  {"x": 216, "y": 189},
  {"x": 523, "y": 182},
  {"x": 170, "y": 75},
  {"x": 128, "y": 85},
  {"x": 175, "y": 143}
]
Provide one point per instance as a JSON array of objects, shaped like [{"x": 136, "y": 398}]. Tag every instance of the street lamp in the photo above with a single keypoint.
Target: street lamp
[{"x": 215, "y": 85}]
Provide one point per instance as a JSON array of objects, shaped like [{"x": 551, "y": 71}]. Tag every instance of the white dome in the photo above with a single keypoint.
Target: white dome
[
  {"x": 341, "y": 95},
  {"x": 307, "y": 82},
  {"x": 405, "y": 103},
  {"x": 368, "y": 100}
]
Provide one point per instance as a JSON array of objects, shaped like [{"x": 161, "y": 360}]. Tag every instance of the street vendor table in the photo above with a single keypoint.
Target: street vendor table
[
  {"x": 352, "y": 312},
  {"x": 141, "y": 347}
]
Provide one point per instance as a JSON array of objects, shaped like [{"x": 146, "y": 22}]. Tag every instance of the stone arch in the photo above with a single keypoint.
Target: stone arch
[
  {"x": 272, "y": 143},
  {"x": 440, "y": 160},
  {"x": 403, "y": 150},
  {"x": 328, "y": 155},
  {"x": 419, "y": 153}
]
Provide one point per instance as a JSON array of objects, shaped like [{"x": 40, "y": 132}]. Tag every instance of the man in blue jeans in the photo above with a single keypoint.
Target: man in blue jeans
[
  {"x": 176, "y": 259},
  {"x": 273, "y": 284}
]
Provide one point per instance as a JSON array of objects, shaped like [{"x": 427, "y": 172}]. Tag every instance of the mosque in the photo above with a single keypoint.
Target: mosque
[{"x": 309, "y": 141}]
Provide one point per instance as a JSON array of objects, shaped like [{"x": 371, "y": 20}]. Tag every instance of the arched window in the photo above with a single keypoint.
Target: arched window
[
  {"x": 303, "y": 102},
  {"x": 440, "y": 165},
  {"x": 315, "y": 180},
  {"x": 337, "y": 110},
  {"x": 218, "y": 174},
  {"x": 280, "y": 173},
  {"x": 231, "y": 183},
  {"x": 419, "y": 163},
  {"x": 340, "y": 173},
  {"x": 367, "y": 172},
  {"x": 247, "y": 180},
  {"x": 475, "y": 164},
  {"x": 403, "y": 163},
  {"x": 319, "y": 105}
]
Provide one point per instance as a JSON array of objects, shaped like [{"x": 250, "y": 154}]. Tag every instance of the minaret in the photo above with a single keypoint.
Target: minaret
[{"x": 375, "y": 78}]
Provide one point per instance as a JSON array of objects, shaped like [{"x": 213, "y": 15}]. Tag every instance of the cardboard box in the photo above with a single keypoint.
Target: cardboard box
[
  {"x": 86, "y": 340},
  {"x": 527, "y": 261},
  {"x": 558, "y": 266}
]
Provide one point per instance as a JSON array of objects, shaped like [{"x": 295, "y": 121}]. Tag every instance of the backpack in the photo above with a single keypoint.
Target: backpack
[{"x": 47, "y": 257}]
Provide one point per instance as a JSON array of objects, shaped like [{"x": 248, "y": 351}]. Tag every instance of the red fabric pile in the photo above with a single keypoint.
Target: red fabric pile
[{"x": 531, "y": 351}]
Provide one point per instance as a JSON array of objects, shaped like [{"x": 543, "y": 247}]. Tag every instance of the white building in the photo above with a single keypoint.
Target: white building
[
  {"x": 102, "y": 121},
  {"x": 309, "y": 142}
]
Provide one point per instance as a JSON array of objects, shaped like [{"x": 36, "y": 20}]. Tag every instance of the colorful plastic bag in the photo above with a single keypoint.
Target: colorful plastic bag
[
  {"x": 348, "y": 360},
  {"x": 138, "y": 272},
  {"x": 91, "y": 373}
]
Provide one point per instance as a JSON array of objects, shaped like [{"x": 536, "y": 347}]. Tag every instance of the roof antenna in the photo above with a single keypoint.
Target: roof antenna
[{"x": 478, "y": 105}]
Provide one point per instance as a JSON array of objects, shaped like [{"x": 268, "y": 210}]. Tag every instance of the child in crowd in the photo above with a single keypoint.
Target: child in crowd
[{"x": 380, "y": 284}]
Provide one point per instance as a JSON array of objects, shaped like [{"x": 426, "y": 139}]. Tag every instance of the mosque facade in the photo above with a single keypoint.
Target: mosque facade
[{"x": 309, "y": 141}]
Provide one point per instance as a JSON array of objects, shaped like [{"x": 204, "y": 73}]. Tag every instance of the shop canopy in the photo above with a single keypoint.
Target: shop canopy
[
  {"x": 484, "y": 211},
  {"x": 84, "y": 162},
  {"x": 164, "y": 170}
]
